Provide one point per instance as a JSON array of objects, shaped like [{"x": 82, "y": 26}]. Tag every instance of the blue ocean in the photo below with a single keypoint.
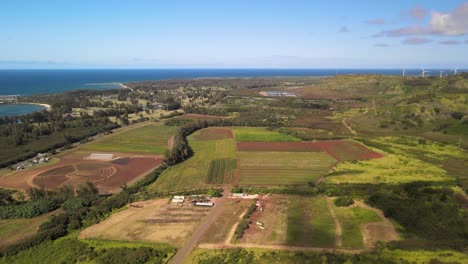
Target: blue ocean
[{"x": 33, "y": 82}]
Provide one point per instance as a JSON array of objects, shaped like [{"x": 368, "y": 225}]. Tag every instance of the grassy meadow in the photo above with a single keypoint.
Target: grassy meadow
[
  {"x": 310, "y": 223},
  {"x": 351, "y": 220}
]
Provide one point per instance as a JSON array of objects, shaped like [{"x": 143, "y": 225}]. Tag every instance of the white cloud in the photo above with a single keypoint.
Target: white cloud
[{"x": 452, "y": 24}]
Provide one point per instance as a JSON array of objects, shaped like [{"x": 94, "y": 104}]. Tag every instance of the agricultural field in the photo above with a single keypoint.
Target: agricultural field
[
  {"x": 149, "y": 221},
  {"x": 260, "y": 134},
  {"x": 311, "y": 222},
  {"x": 214, "y": 133},
  {"x": 192, "y": 173},
  {"x": 278, "y": 168},
  {"x": 150, "y": 139},
  {"x": 347, "y": 150},
  {"x": 221, "y": 171},
  {"x": 75, "y": 169}
]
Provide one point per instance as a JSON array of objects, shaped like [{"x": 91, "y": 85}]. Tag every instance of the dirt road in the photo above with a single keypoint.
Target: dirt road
[
  {"x": 204, "y": 225},
  {"x": 338, "y": 231},
  {"x": 278, "y": 247}
]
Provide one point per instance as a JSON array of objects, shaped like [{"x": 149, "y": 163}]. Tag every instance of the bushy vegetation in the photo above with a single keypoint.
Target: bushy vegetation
[
  {"x": 343, "y": 201},
  {"x": 71, "y": 250},
  {"x": 257, "y": 256},
  {"x": 429, "y": 213},
  {"x": 245, "y": 221}
]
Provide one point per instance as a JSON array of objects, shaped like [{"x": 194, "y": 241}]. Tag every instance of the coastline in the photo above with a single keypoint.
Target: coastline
[{"x": 47, "y": 107}]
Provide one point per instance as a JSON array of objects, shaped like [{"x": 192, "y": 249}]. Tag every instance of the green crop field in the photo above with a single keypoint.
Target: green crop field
[
  {"x": 150, "y": 139},
  {"x": 323, "y": 225},
  {"x": 191, "y": 173},
  {"x": 277, "y": 168},
  {"x": 221, "y": 171},
  {"x": 260, "y": 134},
  {"x": 351, "y": 220},
  {"x": 310, "y": 223}
]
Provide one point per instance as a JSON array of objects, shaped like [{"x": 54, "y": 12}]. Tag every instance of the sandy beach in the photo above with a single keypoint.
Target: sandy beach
[{"x": 48, "y": 107}]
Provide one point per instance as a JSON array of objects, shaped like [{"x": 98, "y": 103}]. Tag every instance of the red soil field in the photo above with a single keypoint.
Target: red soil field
[
  {"x": 345, "y": 150},
  {"x": 108, "y": 176},
  {"x": 214, "y": 133},
  {"x": 198, "y": 117},
  {"x": 341, "y": 150},
  {"x": 278, "y": 146}
]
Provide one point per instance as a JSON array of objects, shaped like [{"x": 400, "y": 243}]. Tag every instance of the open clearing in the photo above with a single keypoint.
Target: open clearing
[
  {"x": 260, "y": 134},
  {"x": 308, "y": 222},
  {"x": 292, "y": 221},
  {"x": 391, "y": 169},
  {"x": 192, "y": 173},
  {"x": 149, "y": 139},
  {"x": 150, "y": 221},
  {"x": 222, "y": 229},
  {"x": 274, "y": 168},
  {"x": 13, "y": 230}
]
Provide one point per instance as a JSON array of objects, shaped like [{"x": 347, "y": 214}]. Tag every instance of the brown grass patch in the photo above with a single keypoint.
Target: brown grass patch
[
  {"x": 150, "y": 221},
  {"x": 214, "y": 133}
]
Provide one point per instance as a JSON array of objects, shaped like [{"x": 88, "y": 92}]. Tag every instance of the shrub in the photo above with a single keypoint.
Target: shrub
[{"x": 343, "y": 201}]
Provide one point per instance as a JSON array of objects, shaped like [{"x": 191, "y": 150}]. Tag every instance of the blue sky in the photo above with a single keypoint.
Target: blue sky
[{"x": 233, "y": 34}]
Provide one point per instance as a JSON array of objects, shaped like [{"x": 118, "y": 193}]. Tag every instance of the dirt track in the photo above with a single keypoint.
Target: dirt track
[
  {"x": 202, "y": 228},
  {"x": 277, "y": 247},
  {"x": 338, "y": 230}
]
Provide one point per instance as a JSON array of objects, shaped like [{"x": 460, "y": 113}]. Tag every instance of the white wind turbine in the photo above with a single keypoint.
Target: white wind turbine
[
  {"x": 404, "y": 72},
  {"x": 423, "y": 72},
  {"x": 455, "y": 72},
  {"x": 441, "y": 74}
]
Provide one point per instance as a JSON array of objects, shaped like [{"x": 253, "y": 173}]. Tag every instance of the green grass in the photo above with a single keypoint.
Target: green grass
[
  {"x": 151, "y": 139},
  {"x": 299, "y": 230},
  {"x": 12, "y": 230},
  {"x": 403, "y": 163},
  {"x": 265, "y": 256},
  {"x": 221, "y": 171},
  {"x": 283, "y": 168},
  {"x": 191, "y": 173},
  {"x": 322, "y": 223},
  {"x": 309, "y": 223},
  {"x": 71, "y": 250},
  {"x": 351, "y": 220},
  {"x": 260, "y": 134}
]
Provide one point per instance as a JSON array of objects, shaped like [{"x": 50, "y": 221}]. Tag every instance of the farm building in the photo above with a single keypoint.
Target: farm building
[
  {"x": 206, "y": 204},
  {"x": 178, "y": 199},
  {"x": 101, "y": 156}
]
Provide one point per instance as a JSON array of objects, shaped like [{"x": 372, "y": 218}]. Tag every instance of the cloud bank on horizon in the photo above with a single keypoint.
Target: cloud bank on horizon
[{"x": 237, "y": 34}]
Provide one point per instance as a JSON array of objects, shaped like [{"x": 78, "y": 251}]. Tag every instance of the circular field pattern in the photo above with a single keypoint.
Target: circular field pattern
[{"x": 74, "y": 174}]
